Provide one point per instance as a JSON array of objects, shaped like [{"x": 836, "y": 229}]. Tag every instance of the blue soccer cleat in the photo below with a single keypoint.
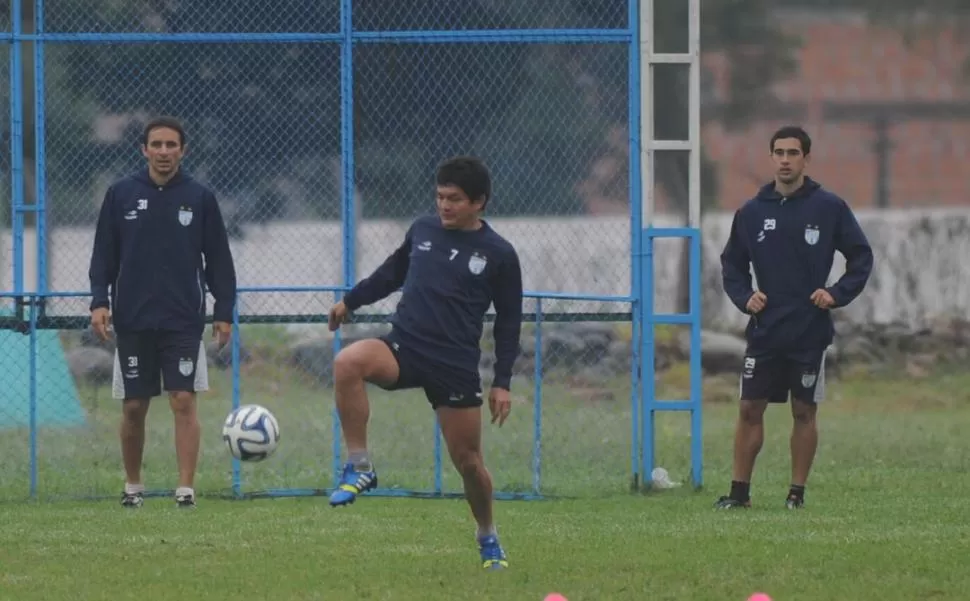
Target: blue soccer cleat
[
  {"x": 493, "y": 557},
  {"x": 352, "y": 483}
]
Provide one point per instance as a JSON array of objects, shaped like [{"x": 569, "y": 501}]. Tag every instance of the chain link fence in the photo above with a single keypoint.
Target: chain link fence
[
  {"x": 214, "y": 17},
  {"x": 507, "y": 103},
  {"x": 6, "y": 179},
  {"x": 571, "y": 428},
  {"x": 320, "y": 159},
  {"x": 261, "y": 131},
  {"x": 577, "y": 372}
]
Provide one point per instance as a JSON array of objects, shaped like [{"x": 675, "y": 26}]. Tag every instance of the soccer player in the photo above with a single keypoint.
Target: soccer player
[
  {"x": 789, "y": 233},
  {"x": 154, "y": 230},
  {"x": 451, "y": 267}
]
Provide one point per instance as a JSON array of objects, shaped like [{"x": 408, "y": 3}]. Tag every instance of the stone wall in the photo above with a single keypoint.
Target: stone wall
[{"x": 922, "y": 269}]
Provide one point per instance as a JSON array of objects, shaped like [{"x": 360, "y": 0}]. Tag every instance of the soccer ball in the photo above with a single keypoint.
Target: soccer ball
[{"x": 251, "y": 432}]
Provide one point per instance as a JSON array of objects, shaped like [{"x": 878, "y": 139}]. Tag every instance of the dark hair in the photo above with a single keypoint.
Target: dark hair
[
  {"x": 166, "y": 122},
  {"x": 468, "y": 173},
  {"x": 792, "y": 131}
]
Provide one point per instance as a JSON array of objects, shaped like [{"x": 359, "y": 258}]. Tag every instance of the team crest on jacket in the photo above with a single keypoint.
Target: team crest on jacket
[
  {"x": 811, "y": 234},
  {"x": 185, "y": 365},
  {"x": 477, "y": 263},
  {"x": 185, "y": 215}
]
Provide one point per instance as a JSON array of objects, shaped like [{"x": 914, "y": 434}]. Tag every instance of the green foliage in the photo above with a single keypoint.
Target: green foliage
[
  {"x": 902, "y": 11},
  {"x": 264, "y": 118},
  {"x": 931, "y": 17},
  {"x": 758, "y": 53},
  {"x": 912, "y": 19}
]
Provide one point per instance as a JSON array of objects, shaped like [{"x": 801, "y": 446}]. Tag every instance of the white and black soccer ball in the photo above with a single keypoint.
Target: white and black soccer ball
[{"x": 251, "y": 432}]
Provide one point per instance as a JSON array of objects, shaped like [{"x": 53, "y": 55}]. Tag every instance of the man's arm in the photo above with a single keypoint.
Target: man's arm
[
  {"x": 507, "y": 287},
  {"x": 105, "y": 256},
  {"x": 851, "y": 241},
  {"x": 220, "y": 271},
  {"x": 735, "y": 266},
  {"x": 387, "y": 278}
]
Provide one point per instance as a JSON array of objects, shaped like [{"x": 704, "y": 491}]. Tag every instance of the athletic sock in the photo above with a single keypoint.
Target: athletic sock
[
  {"x": 361, "y": 461},
  {"x": 184, "y": 491},
  {"x": 134, "y": 489},
  {"x": 797, "y": 491},
  {"x": 491, "y": 531},
  {"x": 740, "y": 491}
]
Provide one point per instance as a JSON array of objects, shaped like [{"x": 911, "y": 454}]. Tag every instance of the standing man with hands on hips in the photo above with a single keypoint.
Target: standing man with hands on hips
[
  {"x": 789, "y": 232},
  {"x": 160, "y": 243}
]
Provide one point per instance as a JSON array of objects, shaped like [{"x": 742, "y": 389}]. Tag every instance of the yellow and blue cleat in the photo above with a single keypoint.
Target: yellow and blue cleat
[
  {"x": 352, "y": 483},
  {"x": 493, "y": 557}
]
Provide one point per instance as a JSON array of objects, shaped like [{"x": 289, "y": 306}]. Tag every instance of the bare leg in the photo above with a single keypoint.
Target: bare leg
[
  {"x": 364, "y": 361},
  {"x": 462, "y": 430},
  {"x": 749, "y": 435},
  {"x": 188, "y": 433},
  {"x": 804, "y": 440},
  {"x": 133, "y": 416}
]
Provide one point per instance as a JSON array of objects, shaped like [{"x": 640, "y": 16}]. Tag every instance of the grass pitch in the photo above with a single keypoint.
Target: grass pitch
[{"x": 885, "y": 516}]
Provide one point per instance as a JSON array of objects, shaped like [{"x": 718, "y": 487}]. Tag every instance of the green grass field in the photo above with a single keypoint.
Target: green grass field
[{"x": 884, "y": 517}]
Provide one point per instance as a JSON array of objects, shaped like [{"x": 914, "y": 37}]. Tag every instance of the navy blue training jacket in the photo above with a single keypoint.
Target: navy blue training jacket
[
  {"x": 149, "y": 248},
  {"x": 791, "y": 242},
  {"x": 449, "y": 278}
]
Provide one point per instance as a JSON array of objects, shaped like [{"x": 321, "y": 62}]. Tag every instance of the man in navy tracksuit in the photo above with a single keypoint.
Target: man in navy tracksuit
[
  {"x": 789, "y": 233},
  {"x": 160, "y": 244},
  {"x": 450, "y": 268}
]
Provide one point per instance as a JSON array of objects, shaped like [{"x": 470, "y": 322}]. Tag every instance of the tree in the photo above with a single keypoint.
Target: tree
[
  {"x": 758, "y": 55},
  {"x": 265, "y": 117}
]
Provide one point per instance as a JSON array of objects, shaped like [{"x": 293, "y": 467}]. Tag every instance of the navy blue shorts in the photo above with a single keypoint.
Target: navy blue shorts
[
  {"x": 775, "y": 376},
  {"x": 144, "y": 361},
  {"x": 443, "y": 386}
]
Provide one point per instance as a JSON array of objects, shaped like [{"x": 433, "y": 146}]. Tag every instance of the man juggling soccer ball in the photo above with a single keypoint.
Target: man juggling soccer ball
[{"x": 450, "y": 267}]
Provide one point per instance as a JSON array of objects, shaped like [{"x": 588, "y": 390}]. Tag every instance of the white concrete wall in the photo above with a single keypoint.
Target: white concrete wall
[{"x": 922, "y": 263}]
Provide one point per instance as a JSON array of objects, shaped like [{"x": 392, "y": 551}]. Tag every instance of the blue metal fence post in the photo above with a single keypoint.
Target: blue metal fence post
[
  {"x": 32, "y": 400},
  {"x": 694, "y": 222},
  {"x": 17, "y": 147},
  {"x": 696, "y": 381},
  {"x": 537, "y": 405},
  {"x": 40, "y": 154},
  {"x": 40, "y": 207},
  {"x": 648, "y": 374},
  {"x": 347, "y": 206},
  {"x": 335, "y": 429},
  {"x": 17, "y": 222},
  {"x": 236, "y": 393},
  {"x": 635, "y": 191},
  {"x": 438, "y": 486}
]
